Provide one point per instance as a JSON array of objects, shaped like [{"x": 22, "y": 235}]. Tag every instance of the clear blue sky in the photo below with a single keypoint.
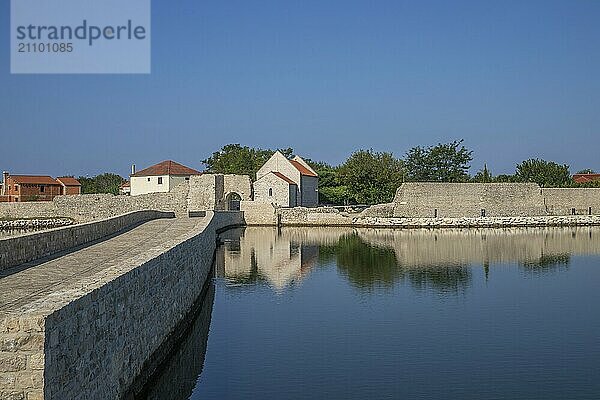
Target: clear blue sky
[{"x": 515, "y": 79}]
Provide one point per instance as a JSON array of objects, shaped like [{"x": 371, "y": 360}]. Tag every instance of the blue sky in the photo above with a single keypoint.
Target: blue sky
[{"x": 515, "y": 79}]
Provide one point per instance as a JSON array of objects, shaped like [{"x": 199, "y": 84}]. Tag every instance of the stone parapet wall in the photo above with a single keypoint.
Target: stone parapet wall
[
  {"x": 22, "y": 357},
  {"x": 21, "y": 249},
  {"x": 95, "y": 337}
]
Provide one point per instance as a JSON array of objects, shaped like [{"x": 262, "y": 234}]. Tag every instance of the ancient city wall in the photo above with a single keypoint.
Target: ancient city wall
[
  {"x": 258, "y": 213},
  {"x": 108, "y": 325},
  {"x": 562, "y": 201},
  {"x": 468, "y": 200},
  {"x": 21, "y": 249}
]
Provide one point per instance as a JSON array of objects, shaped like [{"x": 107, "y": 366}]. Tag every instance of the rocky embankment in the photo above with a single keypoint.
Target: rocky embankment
[{"x": 34, "y": 224}]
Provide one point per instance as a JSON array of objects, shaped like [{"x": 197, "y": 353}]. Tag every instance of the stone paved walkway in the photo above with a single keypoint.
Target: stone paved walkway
[{"x": 26, "y": 283}]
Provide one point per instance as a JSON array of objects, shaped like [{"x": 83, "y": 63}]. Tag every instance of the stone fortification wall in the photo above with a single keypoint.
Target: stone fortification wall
[
  {"x": 109, "y": 324},
  {"x": 21, "y": 249},
  {"x": 455, "y": 200},
  {"x": 562, "y": 201}
]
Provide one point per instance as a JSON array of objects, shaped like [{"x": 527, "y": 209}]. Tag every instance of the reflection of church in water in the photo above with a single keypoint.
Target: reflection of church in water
[{"x": 264, "y": 255}]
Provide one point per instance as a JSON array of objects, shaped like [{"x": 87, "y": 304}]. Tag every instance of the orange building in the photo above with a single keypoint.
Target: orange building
[{"x": 18, "y": 188}]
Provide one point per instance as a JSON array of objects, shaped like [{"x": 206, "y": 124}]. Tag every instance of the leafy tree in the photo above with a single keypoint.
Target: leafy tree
[
  {"x": 331, "y": 189},
  {"x": 445, "y": 162},
  {"x": 503, "y": 178},
  {"x": 371, "y": 177},
  {"x": 104, "y": 183},
  {"x": 483, "y": 176},
  {"x": 242, "y": 160},
  {"x": 586, "y": 171},
  {"x": 544, "y": 173}
]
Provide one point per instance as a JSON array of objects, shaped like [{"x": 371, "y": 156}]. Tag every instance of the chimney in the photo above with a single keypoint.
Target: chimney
[
  {"x": 4, "y": 182},
  {"x": 132, "y": 169}
]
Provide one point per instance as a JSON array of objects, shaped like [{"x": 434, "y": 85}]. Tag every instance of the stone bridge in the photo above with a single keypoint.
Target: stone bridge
[{"x": 86, "y": 322}]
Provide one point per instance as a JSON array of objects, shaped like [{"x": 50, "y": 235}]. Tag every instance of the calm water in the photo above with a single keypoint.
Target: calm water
[{"x": 380, "y": 314}]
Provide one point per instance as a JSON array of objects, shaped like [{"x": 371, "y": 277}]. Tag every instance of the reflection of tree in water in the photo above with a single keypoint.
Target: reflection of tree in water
[
  {"x": 367, "y": 266},
  {"x": 442, "y": 278},
  {"x": 547, "y": 263},
  {"x": 364, "y": 265}
]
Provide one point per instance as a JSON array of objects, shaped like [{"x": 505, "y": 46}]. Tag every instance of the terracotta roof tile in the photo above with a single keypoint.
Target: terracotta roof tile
[
  {"x": 583, "y": 178},
  {"x": 282, "y": 176},
  {"x": 68, "y": 181},
  {"x": 167, "y": 168},
  {"x": 303, "y": 170},
  {"x": 34, "y": 179}
]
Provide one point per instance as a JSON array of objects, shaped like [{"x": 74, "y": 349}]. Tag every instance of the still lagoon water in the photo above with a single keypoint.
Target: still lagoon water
[{"x": 386, "y": 314}]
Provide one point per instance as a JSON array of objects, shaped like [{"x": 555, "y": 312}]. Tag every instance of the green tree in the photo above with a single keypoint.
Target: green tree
[
  {"x": 544, "y": 173},
  {"x": 371, "y": 177},
  {"x": 238, "y": 159},
  {"x": 586, "y": 171},
  {"x": 104, "y": 183},
  {"x": 331, "y": 189},
  {"x": 444, "y": 162},
  {"x": 483, "y": 176}
]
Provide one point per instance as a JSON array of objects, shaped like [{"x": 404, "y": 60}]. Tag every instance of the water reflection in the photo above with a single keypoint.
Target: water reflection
[
  {"x": 179, "y": 376},
  {"x": 442, "y": 260}
]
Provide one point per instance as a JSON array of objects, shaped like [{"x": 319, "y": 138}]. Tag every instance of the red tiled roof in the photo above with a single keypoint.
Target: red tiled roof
[
  {"x": 125, "y": 184},
  {"x": 34, "y": 179},
  {"x": 68, "y": 181},
  {"x": 167, "y": 168},
  {"x": 583, "y": 178},
  {"x": 303, "y": 170},
  {"x": 285, "y": 178}
]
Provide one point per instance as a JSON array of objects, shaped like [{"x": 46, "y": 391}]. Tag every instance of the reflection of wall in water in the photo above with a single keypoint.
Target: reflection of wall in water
[
  {"x": 423, "y": 248},
  {"x": 178, "y": 379},
  {"x": 264, "y": 253}
]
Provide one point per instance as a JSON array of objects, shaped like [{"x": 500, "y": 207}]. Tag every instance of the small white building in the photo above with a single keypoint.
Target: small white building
[
  {"x": 287, "y": 183},
  {"x": 161, "y": 177}
]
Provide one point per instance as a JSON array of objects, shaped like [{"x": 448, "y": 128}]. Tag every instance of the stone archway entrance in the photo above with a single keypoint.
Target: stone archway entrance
[{"x": 232, "y": 201}]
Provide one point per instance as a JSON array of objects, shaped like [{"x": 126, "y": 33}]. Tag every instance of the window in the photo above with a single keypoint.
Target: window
[
  {"x": 42, "y": 189},
  {"x": 148, "y": 179},
  {"x": 160, "y": 180},
  {"x": 270, "y": 192},
  {"x": 187, "y": 179}
]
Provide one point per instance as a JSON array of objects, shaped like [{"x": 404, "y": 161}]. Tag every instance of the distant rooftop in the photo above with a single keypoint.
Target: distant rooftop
[{"x": 167, "y": 167}]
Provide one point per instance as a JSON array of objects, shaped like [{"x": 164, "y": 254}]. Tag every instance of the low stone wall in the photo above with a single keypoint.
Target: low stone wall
[
  {"x": 21, "y": 249},
  {"x": 321, "y": 216},
  {"x": 379, "y": 210},
  {"x": 92, "y": 207},
  {"x": 92, "y": 340}
]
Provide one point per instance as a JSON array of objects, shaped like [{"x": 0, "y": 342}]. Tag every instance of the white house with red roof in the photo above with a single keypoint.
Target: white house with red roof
[
  {"x": 287, "y": 183},
  {"x": 161, "y": 177}
]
